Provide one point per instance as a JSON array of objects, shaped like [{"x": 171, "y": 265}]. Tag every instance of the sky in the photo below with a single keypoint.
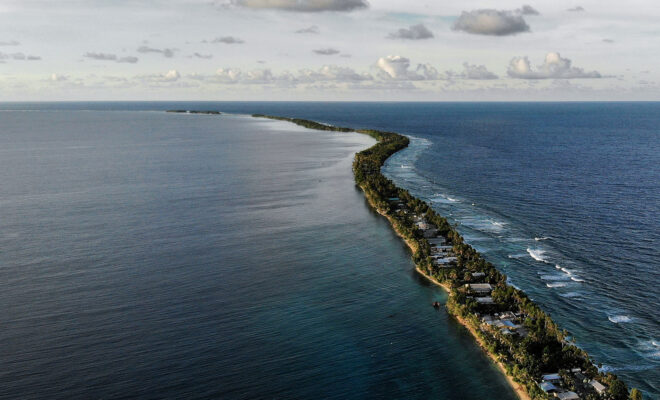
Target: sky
[{"x": 329, "y": 50}]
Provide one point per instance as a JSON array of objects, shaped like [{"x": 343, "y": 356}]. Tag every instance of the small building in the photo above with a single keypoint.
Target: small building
[
  {"x": 438, "y": 241},
  {"x": 554, "y": 378},
  {"x": 478, "y": 274},
  {"x": 548, "y": 387},
  {"x": 479, "y": 288},
  {"x": 485, "y": 300},
  {"x": 599, "y": 387},
  {"x": 430, "y": 233},
  {"x": 567, "y": 396}
]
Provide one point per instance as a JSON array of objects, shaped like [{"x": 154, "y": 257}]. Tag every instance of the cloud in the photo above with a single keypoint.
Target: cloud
[
  {"x": 169, "y": 53},
  {"x": 110, "y": 57},
  {"x": 576, "y": 9},
  {"x": 608, "y": 40},
  {"x": 397, "y": 68},
  {"x": 415, "y": 32},
  {"x": 58, "y": 78},
  {"x": 310, "y": 29},
  {"x": 203, "y": 56},
  {"x": 128, "y": 60},
  {"x": 490, "y": 22},
  {"x": 170, "y": 76},
  {"x": 327, "y": 51},
  {"x": 18, "y": 56},
  {"x": 477, "y": 72},
  {"x": 303, "y": 5},
  {"x": 554, "y": 67},
  {"x": 332, "y": 73},
  {"x": 101, "y": 56},
  {"x": 227, "y": 40},
  {"x": 527, "y": 10},
  {"x": 10, "y": 43}
]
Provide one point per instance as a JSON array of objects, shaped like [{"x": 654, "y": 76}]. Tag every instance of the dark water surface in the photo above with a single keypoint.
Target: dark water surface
[{"x": 151, "y": 255}]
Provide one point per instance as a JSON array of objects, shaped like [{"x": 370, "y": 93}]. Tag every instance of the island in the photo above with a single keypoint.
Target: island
[{"x": 540, "y": 360}]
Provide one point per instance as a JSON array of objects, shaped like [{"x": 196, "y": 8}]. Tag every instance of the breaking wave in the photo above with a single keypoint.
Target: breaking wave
[
  {"x": 619, "y": 319},
  {"x": 537, "y": 254}
]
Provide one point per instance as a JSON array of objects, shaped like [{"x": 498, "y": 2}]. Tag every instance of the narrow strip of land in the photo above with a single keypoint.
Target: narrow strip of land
[{"x": 536, "y": 356}]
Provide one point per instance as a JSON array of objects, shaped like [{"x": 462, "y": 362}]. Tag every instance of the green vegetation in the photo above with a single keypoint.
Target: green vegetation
[{"x": 544, "y": 348}]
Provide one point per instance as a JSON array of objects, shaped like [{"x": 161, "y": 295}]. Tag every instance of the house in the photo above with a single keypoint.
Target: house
[
  {"x": 599, "y": 387},
  {"x": 554, "y": 378},
  {"x": 567, "y": 396},
  {"x": 430, "y": 233},
  {"x": 437, "y": 241},
  {"x": 485, "y": 300},
  {"x": 479, "y": 288},
  {"x": 548, "y": 387},
  {"x": 478, "y": 274},
  {"x": 444, "y": 260}
]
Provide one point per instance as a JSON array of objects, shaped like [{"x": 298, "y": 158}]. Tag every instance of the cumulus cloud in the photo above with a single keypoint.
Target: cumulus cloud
[
  {"x": 490, "y": 22},
  {"x": 169, "y": 53},
  {"x": 576, "y": 9},
  {"x": 302, "y": 5},
  {"x": 332, "y": 73},
  {"x": 527, "y": 10},
  {"x": 327, "y": 51},
  {"x": 9, "y": 43},
  {"x": 227, "y": 40},
  {"x": 101, "y": 56},
  {"x": 554, "y": 67},
  {"x": 58, "y": 78},
  {"x": 477, "y": 72},
  {"x": 398, "y": 68},
  {"x": 415, "y": 32},
  {"x": 310, "y": 30},
  {"x": 327, "y": 74}
]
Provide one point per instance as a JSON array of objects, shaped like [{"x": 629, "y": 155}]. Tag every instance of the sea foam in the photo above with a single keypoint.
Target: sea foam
[
  {"x": 537, "y": 254},
  {"x": 619, "y": 319}
]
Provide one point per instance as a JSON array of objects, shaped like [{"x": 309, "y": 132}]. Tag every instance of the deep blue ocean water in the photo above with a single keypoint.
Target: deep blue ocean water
[{"x": 167, "y": 255}]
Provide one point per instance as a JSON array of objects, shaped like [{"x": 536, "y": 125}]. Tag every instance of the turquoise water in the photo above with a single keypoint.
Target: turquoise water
[{"x": 152, "y": 255}]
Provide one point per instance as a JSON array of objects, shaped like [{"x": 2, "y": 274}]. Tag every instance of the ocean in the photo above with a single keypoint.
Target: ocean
[{"x": 154, "y": 255}]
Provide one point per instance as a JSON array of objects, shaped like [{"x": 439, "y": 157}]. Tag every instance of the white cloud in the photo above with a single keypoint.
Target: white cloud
[
  {"x": 554, "y": 67},
  {"x": 415, "y": 32},
  {"x": 477, "y": 72},
  {"x": 332, "y": 73},
  {"x": 576, "y": 9},
  {"x": 490, "y": 22},
  {"x": 303, "y": 5},
  {"x": 58, "y": 78},
  {"x": 398, "y": 68}
]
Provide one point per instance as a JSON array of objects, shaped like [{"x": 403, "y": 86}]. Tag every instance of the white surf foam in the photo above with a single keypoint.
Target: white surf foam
[
  {"x": 620, "y": 319},
  {"x": 537, "y": 254},
  {"x": 576, "y": 279},
  {"x": 571, "y": 294},
  {"x": 556, "y": 284},
  {"x": 538, "y": 239}
]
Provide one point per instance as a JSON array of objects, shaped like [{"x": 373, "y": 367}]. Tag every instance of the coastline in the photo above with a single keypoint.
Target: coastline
[
  {"x": 525, "y": 356},
  {"x": 517, "y": 387}
]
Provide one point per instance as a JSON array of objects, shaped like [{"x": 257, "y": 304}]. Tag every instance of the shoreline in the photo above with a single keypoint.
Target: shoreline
[{"x": 534, "y": 347}]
